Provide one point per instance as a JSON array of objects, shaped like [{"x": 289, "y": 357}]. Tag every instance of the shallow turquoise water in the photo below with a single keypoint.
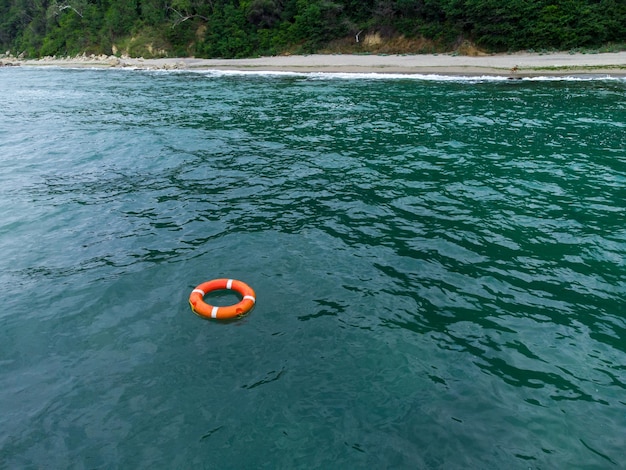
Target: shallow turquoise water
[{"x": 440, "y": 270}]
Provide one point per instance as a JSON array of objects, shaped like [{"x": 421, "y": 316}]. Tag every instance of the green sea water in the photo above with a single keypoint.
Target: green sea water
[{"x": 439, "y": 264}]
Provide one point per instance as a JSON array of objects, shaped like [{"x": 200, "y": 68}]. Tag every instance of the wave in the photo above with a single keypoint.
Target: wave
[
  {"x": 370, "y": 75},
  {"x": 442, "y": 77}
]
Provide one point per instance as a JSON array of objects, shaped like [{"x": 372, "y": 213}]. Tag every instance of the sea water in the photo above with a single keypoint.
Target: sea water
[{"x": 439, "y": 266}]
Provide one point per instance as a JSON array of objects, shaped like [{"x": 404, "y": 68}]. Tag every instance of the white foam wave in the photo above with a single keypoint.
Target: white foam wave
[{"x": 404, "y": 76}]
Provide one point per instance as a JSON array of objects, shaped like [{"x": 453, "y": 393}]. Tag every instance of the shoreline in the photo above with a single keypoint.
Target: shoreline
[{"x": 511, "y": 65}]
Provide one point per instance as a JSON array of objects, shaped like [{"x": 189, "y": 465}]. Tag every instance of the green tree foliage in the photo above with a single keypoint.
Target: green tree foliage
[
  {"x": 315, "y": 22},
  {"x": 528, "y": 24},
  {"x": 238, "y": 28}
]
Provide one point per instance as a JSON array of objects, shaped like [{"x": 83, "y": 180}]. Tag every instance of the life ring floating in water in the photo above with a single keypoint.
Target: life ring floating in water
[{"x": 205, "y": 310}]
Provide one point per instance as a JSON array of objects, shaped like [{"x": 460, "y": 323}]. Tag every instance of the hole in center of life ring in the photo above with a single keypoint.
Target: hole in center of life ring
[{"x": 222, "y": 298}]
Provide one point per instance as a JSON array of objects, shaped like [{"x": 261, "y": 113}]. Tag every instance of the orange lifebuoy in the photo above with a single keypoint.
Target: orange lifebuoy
[{"x": 209, "y": 311}]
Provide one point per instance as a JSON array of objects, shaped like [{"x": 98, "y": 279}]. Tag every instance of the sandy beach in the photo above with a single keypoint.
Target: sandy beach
[{"x": 518, "y": 64}]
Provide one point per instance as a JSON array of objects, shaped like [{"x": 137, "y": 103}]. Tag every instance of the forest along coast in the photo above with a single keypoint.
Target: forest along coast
[{"x": 259, "y": 28}]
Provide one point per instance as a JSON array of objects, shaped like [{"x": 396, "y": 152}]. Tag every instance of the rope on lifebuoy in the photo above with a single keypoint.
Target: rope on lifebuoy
[{"x": 205, "y": 310}]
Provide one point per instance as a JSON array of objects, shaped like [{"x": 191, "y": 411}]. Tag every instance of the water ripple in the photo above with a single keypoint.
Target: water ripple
[{"x": 439, "y": 267}]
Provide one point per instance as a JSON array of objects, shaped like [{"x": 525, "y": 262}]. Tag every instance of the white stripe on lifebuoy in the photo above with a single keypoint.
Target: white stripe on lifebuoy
[
  {"x": 229, "y": 284},
  {"x": 199, "y": 291},
  {"x": 214, "y": 312},
  {"x": 250, "y": 298}
]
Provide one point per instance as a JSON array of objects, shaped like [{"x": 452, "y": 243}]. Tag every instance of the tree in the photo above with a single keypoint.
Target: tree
[{"x": 316, "y": 22}]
